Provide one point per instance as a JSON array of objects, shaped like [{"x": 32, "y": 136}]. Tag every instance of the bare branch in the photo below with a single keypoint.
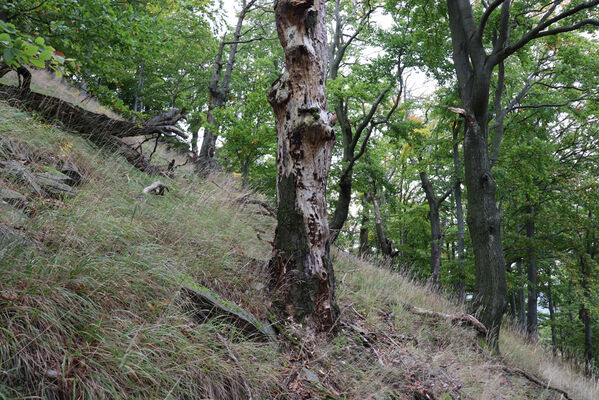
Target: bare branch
[{"x": 486, "y": 15}]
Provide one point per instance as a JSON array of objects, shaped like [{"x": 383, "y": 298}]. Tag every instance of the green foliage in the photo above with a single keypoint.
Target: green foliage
[{"x": 20, "y": 48}]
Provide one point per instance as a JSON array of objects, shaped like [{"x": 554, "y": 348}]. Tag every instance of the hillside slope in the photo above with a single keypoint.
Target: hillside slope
[{"x": 91, "y": 303}]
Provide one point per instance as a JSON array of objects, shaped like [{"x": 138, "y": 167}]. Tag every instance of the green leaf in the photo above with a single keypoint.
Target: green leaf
[
  {"x": 45, "y": 55},
  {"x": 5, "y": 39},
  {"x": 30, "y": 50},
  {"x": 38, "y": 63},
  {"x": 9, "y": 54},
  {"x": 39, "y": 41}
]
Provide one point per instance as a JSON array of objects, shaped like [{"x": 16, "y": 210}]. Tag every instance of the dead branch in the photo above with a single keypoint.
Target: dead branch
[
  {"x": 534, "y": 379},
  {"x": 246, "y": 199},
  {"x": 156, "y": 188},
  {"x": 98, "y": 128},
  {"x": 461, "y": 318}
]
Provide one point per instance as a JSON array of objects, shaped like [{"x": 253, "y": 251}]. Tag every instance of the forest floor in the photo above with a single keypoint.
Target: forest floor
[{"x": 91, "y": 304}]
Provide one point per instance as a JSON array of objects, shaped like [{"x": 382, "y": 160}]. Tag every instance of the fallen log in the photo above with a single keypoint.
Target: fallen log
[
  {"x": 534, "y": 379},
  {"x": 268, "y": 210},
  {"x": 460, "y": 318},
  {"x": 98, "y": 128}
]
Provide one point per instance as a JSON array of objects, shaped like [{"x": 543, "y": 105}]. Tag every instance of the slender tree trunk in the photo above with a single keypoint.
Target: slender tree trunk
[
  {"x": 435, "y": 222},
  {"x": 385, "y": 244},
  {"x": 301, "y": 266},
  {"x": 552, "y": 317},
  {"x": 585, "y": 315},
  {"x": 460, "y": 284},
  {"x": 137, "y": 103},
  {"x": 219, "y": 90},
  {"x": 343, "y": 202},
  {"x": 531, "y": 320},
  {"x": 521, "y": 303},
  {"x": 245, "y": 173},
  {"x": 364, "y": 242}
]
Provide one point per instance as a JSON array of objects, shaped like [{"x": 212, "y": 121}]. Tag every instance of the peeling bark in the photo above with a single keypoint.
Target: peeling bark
[{"x": 301, "y": 266}]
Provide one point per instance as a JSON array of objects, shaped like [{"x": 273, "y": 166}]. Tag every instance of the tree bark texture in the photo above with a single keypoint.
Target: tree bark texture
[
  {"x": 474, "y": 75},
  {"x": 460, "y": 282},
  {"x": 301, "y": 264}
]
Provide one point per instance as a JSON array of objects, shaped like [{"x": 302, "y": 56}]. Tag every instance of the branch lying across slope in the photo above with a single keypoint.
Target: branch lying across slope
[
  {"x": 98, "y": 128},
  {"x": 534, "y": 379},
  {"x": 462, "y": 318},
  {"x": 246, "y": 199}
]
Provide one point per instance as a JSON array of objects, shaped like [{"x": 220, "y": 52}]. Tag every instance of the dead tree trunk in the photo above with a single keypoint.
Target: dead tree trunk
[
  {"x": 301, "y": 266},
  {"x": 98, "y": 128}
]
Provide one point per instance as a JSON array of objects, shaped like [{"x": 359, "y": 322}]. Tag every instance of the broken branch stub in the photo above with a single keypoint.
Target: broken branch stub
[{"x": 460, "y": 318}]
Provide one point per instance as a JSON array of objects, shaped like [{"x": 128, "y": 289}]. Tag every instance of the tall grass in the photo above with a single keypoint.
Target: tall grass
[{"x": 90, "y": 310}]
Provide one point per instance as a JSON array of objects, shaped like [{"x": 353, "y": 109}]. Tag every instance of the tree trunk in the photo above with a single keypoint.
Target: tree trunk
[
  {"x": 552, "y": 317},
  {"x": 364, "y": 242},
  {"x": 474, "y": 75},
  {"x": 219, "y": 90},
  {"x": 385, "y": 244},
  {"x": 137, "y": 104},
  {"x": 585, "y": 316},
  {"x": 245, "y": 174},
  {"x": 435, "y": 221},
  {"x": 301, "y": 266},
  {"x": 531, "y": 318},
  {"x": 521, "y": 303},
  {"x": 343, "y": 202},
  {"x": 460, "y": 283}
]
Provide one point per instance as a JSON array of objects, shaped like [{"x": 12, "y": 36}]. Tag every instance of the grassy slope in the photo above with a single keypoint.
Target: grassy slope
[{"x": 90, "y": 305}]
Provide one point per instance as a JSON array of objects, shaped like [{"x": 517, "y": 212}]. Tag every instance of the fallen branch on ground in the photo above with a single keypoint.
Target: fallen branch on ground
[
  {"x": 246, "y": 199},
  {"x": 98, "y": 128},
  {"x": 461, "y": 318},
  {"x": 534, "y": 379}
]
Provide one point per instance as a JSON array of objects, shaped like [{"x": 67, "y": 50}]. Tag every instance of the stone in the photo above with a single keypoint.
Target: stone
[
  {"x": 310, "y": 375},
  {"x": 54, "y": 183},
  {"x": 206, "y": 305},
  {"x": 71, "y": 170},
  {"x": 16, "y": 171},
  {"x": 12, "y": 197}
]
